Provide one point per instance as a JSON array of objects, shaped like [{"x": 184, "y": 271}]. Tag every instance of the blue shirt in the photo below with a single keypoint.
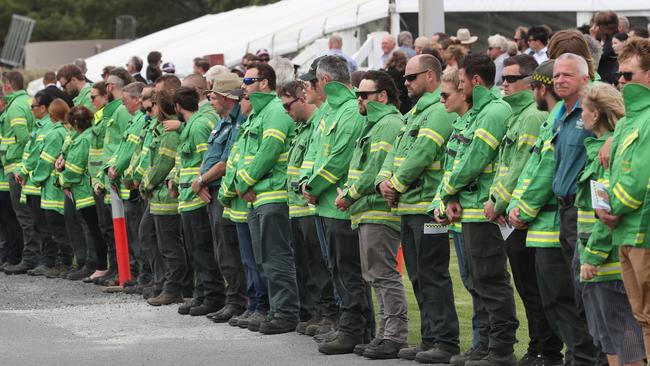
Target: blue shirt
[
  {"x": 221, "y": 139},
  {"x": 570, "y": 153},
  {"x": 352, "y": 65}
]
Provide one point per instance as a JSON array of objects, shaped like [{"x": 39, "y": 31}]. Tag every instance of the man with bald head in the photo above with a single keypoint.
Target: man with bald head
[
  {"x": 335, "y": 45},
  {"x": 198, "y": 83},
  {"x": 408, "y": 181}
]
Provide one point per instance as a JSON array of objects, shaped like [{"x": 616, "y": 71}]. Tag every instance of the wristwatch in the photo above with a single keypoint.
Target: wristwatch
[{"x": 200, "y": 179}]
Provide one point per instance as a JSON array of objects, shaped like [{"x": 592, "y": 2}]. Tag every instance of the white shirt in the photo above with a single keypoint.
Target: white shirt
[{"x": 540, "y": 56}]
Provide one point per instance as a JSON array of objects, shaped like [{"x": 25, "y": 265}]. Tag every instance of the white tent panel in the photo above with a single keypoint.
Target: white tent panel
[{"x": 411, "y": 6}]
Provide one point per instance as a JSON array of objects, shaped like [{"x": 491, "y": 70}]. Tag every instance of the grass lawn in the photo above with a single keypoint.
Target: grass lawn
[{"x": 464, "y": 310}]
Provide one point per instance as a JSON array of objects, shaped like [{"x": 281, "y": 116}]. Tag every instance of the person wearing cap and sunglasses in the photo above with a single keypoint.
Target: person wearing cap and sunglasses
[
  {"x": 408, "y": 180},
  {"x": 514, "y": 152},
  {"x": 378, "y": 227},
  {"x": 17, "y": 124},
  {"x": 224, "y": 98},
  {"x": 464, "y": 193},
  {"x": 320, "y": 184},
  {"x": 261, "y": 181}
]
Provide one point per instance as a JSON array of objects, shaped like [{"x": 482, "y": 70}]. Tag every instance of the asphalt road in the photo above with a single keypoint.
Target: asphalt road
[{"x": 58, "y": 322}]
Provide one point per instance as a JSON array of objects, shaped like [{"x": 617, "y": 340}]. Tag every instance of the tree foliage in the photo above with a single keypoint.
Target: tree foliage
[{"x": 95, "y": 19}]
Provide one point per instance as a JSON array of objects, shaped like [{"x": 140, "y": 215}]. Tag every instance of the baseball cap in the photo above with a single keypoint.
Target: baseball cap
[
  {"x": 168, "y": 67},
  {"x": 311, "y": 73},
  {"x": 543, "y": 73}
]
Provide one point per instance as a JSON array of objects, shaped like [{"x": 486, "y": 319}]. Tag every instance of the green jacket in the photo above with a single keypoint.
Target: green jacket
[
  {"x": 533, "y": 194},
  {"x": 130, "y": 144},
  {"x": 234, "y": 208},
  {"x": 516, "y": 147},
  {"x": 83, "y": 98},
  {"x": 470, "y": 181},
  {"x": 382, "y": 124},
  {"x": 333, "y": 152},
  {"x": 162, "y": 157},
  {"x": 629, "y": 177},
  {"x": 298, "y": 207},
  {"x": 31, "y": 154},
  {"x": 96, "y": 152},
  {"x": 140, "y": 162},
  {"x": 4, "y": 184},
  {"x": 17, "y": 123},
  {"x": 208, "y": 111},
  {"x": 264, "y": 146},
  {"x": 75, "y": 175},
  {"x": 193, "y": 143},
  {"x": 595, "y": 241},
  {"x": 44, "y": 175},
  {"x": 116, "y": 124},
  {"x": 414, "y": 166},
  {"x": 451, "y": 160}
]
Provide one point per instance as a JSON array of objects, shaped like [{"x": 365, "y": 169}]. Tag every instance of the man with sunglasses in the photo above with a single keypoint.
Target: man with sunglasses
[
  {"x": 224, "y": 98},
  {"x": 17, "y": 124},
  {"x": 315, "y": 288},
  {"x": 73, "y": 83},
  {"x": 261, "y": 181},
  {"x": 378, "y": 227},
  {"x": 464, "y": 193},
  {"x": 629, "y": 180},
  {"x": 514, "y": 152},
  {"x": 319, "y": 184}
]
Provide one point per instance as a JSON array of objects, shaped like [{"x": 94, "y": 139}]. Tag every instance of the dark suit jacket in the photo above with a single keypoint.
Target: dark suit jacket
[
  {"x": 55, "y": 92},
  {"x": 139, "y": 78}
]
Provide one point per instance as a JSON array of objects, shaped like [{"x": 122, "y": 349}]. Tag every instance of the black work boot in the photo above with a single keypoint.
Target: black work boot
[
  {"x": 434, "y": 355},
  {"x": 531, "y": 358},
  {"x": 16, "y": 269},
  {"x": 38, "y": 271},
  {"x": 472, "y": 354},
  {"x": 384, "y": 350},
  {"x": 225, "y": 313},
  {"x": 326, "y": 337},
  {"x": 149, "y": 292},
  {"x": 278, "y": 326},
  {"x": 359, "y": 349},
  {"x": 234, "y": 321},
  {"x": 256, "y": 320},
  {"x": 342, "y": 344},
  {"x": 185, "y": 308},
  {"x": 301, "y": 328},
  {"x": 204, "y": 309},
  {"x": 495, "y": 359},
  {"x": 79, "y": 274},
  {"x": 322, "y": 327},
  {"x": 410, "y": 352}
]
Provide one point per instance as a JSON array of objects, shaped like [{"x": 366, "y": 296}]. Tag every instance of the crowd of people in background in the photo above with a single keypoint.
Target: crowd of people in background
[{"x": 277, "y": 201}]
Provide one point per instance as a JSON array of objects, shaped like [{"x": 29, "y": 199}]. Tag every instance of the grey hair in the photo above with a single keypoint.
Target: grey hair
[
  {"x": 335, "y": 67},
  {"x": 336, "y": 39},
  {"x": 595, "y": 48},
  {"x": 581, "y": 63},
  {"x": 81, "y": 63},
  {"x": 137, "y": 62},
  {"x": 625, "y": 22},
  {"x": 284, "y": 71},
  {"x": 498, "y": 40},
  {"x": 405, "y": 38},
  {"x": 134, "y": 90}
]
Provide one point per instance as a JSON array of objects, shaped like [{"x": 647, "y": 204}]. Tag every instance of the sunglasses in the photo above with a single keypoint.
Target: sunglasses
[
  {"x": 627, "y": 75},
  {"x": 65, "y": 84},
  {"x": 411, "y": 77},
  {"x": 287, "y": 106},
  {"x": 513, "y": 78},
  {"x": 444, "y": 95},
  {"x": 364, "y": 94},
  {"x": 250, "y": 81}
]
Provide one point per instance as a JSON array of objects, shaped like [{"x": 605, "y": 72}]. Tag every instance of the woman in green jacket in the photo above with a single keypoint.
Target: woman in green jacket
[
  {"x": 608, "y": 311},
  {"x": 75, "y": 180}
]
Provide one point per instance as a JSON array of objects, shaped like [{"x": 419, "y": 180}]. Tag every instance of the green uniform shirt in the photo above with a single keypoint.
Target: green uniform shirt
[
  {"x": 523, "y": 130},
  {"x": 31, "y": 155},
  {"x": 382, "y": 124},
  {"x": 4, "y": 184},
  {"x": 264, "y": 150},
  {"x": 298, "y": 207},
  {"x": 470, "y": 181},
  {"x": 17, "y": 123},
  {"x": 162, "y": 157},
  {"x": 533, "y": 194},
  {"x": 44, "y": 175},
  {"x": 208, "y": 111},
  {"x": 75, "y": 175},
  {"x": 235, "y": 209},
  {"x": 96, "y": 152},
  {"x": 193, "y": 143},
  {"x": 83, "y": 98},
  {"x": 116, "y": 124},
  {"x": 629, "y": 176},
  {"x": 333, "y": 152},
  {"x": 414, "y": 166},
  {"x": 595, "y": 242},
  {"x": 130, "y": 144}
]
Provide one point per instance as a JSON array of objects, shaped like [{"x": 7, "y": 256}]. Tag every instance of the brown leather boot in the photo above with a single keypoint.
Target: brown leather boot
[{"x": 165, "y": 298}]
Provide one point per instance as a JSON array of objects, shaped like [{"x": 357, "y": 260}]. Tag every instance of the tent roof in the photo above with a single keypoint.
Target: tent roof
[{"x": 411, "y": 6}]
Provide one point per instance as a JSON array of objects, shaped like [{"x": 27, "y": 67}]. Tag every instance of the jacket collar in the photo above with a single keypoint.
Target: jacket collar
[
  {"x": 13, "y": 95},
  {"x": 519, "y": 101},
  {"x": 337, "y": 93},
  {"x": 40, "y": 123},
  {"x": 481, "y": 96},
  {"x": 110, "y": 108},
  {"x": 593, "y": 144},
  {"x": 636, "y": 98},
  {"x": 427, "y": 100},
  {"x": 376, "y": 111},
  {"x": 259, "y": 100}
]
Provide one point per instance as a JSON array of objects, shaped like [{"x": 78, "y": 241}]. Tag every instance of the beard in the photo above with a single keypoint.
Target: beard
[
  {"x": 542, "y": 105},
  {"x": 73, "y": 93}
]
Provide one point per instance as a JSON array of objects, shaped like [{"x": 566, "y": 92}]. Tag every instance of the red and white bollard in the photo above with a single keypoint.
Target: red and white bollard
[{"x": 121, "y": 240}]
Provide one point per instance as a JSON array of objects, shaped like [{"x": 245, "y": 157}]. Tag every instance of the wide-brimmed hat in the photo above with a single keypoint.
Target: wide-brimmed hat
[
  {"x": 228, "y": 85},
  {"x": 465, "y": 37}
]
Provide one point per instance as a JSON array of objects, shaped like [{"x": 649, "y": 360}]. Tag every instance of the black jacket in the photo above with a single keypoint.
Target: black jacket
[
  {"x": 139, "y": 78},
  {"x": 55, "y": 92}
]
